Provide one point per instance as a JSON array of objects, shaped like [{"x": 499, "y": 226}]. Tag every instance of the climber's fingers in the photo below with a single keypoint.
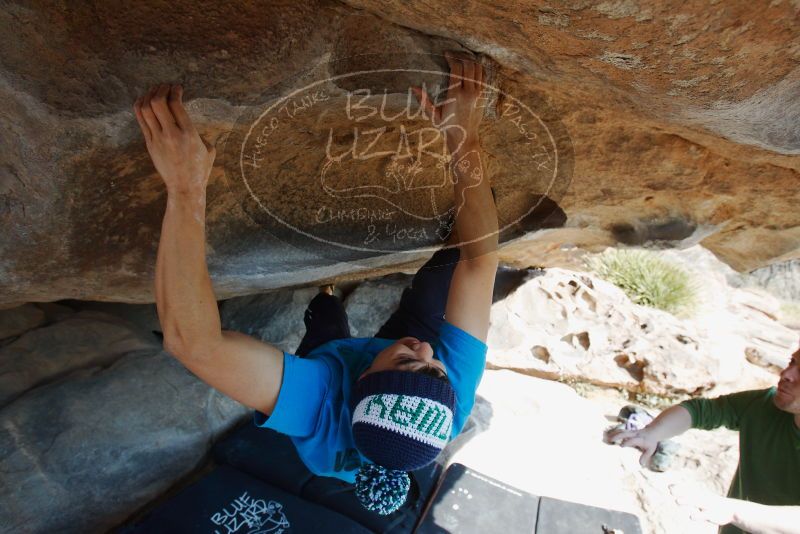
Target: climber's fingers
[
  {"x": 175, "y": 103},
  {"x": 618, "y": 435},
  {"x": 425, "y": 101},
  {"x": 647, "y": 454},
  {"x": 456, "y": 72},
  {"x": 147, "y": 112},
  {"x": 137, "y": 110},
  {"x": 633, "y": 441},
  {"x": 162, "y": 111},
  {"x": 468, "y": 69}
]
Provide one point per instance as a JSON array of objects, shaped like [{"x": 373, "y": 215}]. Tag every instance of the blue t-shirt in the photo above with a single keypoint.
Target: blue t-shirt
[{"x": 313, "y": 405}]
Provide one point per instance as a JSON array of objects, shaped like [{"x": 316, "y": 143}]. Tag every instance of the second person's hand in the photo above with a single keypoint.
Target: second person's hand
[{"x": 637, "y": 439}]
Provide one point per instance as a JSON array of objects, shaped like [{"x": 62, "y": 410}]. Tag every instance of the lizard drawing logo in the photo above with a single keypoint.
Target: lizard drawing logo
[{"x": 348, "y": 166}]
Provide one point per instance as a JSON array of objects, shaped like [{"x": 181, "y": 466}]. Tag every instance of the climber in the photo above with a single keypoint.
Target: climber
[
  {"x": 764, "y": 496},
  {"x": 363, "y": 410}
]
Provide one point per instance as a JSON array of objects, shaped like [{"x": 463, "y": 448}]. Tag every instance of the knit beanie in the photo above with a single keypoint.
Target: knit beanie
[{"x": 401, "y": 421}]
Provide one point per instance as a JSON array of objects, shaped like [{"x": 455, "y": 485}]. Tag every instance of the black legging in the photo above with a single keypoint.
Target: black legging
[{"x": 420, "y": 313}]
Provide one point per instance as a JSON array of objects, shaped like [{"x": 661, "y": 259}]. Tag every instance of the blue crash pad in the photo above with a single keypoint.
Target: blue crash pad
[
  {"x": 228, "y": 501},
  {"x": 272, "y": 458}
]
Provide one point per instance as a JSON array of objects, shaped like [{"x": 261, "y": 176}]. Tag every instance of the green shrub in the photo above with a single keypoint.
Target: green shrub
[{"x": 647, "y": 279}]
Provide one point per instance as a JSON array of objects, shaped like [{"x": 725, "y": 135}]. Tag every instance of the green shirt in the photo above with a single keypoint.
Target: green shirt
[{"x": 769, "y": 446}]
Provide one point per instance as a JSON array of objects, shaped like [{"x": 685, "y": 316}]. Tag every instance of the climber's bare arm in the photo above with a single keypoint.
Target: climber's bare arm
[
  {"x": 748, "y": 516},
  {"x": 237, "y": 365},
  {"x": 470, "y": 296}
]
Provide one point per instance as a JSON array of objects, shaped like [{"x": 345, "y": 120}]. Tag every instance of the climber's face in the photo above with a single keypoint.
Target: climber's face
[
  {"x": 787, "y": 396},
  {"x": 407, "y": 354}
]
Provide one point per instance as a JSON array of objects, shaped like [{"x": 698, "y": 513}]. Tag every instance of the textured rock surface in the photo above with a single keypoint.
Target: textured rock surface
[
  {"x": 55, "y": 312},
  {"x": 276, "y": 317},
  {"x": 18, "y": 320},
  {"x": 782, "y": 279},
  {"x": 373, "y": 302},
  {"x": 572, "y": 325},
  {"x": 143, "y": 316},
  {"x": 736, "y": 320},
  {"x": 85, "y": 339},
  {"x": 671, "y": 116},
  {"x": 80, "y": 455}
]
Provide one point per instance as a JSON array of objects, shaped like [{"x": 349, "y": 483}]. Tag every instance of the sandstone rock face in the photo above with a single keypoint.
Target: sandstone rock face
[
  {"x": 572, "y": 325},
  {"x": 95, "y": 420},
  {"x": 143, "y": 317},
  {"x": 20, "y": 319},
  {"x": 81, "y": 455},
  {"x": 782, "y": 279},
  {"x": 85, "y": 339},
  {"x": 736, "y": 320},
  {"x": 373, "y": 302},
  {"x": 275, "y": 317},
  {"x": 666, "y": 120}
]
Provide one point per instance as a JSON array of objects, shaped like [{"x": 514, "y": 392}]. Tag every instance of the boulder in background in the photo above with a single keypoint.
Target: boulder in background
[
  {"x": 83, "y": 339},
  {"x": 83, "y": 454}
]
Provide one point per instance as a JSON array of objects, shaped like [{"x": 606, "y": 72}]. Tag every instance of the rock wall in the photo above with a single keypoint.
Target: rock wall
[
  {"x": 571, "y": 325},
  {"x": 670, "y": 120},
  {"x": 782, "y": 279},
  {"x": 95, "y": 421}
]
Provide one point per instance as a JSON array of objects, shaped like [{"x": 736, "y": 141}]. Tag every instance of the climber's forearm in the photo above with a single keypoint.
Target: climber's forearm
[
  {"x": 670, "y": 423},
  {"x": 763, "y": 519},
  {"x": 469, "y": 299},
  {"x": 748, "y": 516},
  {"x": 185, "y": 298},
  {"x": 476, "y": 216}
]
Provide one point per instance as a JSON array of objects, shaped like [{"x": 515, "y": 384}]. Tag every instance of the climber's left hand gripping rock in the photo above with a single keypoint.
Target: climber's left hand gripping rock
[{"x": 182, "y": 158}]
